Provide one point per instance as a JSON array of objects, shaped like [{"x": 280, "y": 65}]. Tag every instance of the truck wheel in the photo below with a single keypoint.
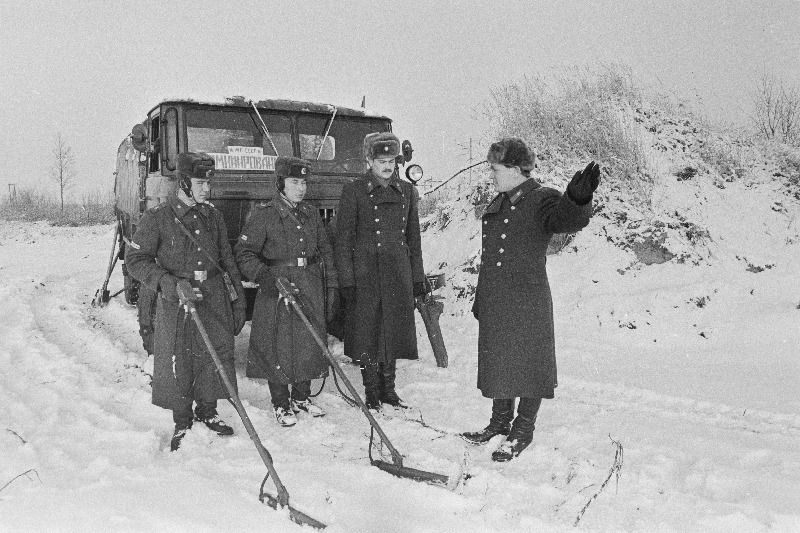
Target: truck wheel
[{"x": 131, "y": 287}]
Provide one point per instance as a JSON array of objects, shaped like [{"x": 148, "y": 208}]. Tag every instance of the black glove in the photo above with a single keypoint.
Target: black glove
[
  {"x": 239, "y": 314},
  {"x": 167, "y": 285},
  {"x": 419, "y": 288},
  {"x": 583, "y": 184},
  {"x": 348, "y": 296},
  {"x": 266, "y": 282},
  {"x": 332, "y": 304},
  {"x": 286, "y": 283}
]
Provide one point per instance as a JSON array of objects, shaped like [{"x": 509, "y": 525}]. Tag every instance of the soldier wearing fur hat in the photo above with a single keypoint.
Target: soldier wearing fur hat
[
  {"x": 183, "y": 242},
  {"x": 513, "y": 306},
  {"x": 379, "y": 261},
  {"x": 285, "y": 238}
]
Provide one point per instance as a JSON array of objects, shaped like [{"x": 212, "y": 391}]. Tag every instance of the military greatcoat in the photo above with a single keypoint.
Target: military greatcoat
[
  {"x": 274, "y": 236},
  {"x": 379, "y": 252},
  {"x": 184, "y": 370},
  {"x": 516, "y": 341}
]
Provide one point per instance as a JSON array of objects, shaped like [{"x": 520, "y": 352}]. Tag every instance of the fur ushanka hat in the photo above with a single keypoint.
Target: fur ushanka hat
[
  {"x": 292, "y": 167},
  {"x": 381, "y": 144},
  {"x": 196, "y": 165},
  {"x": 512, "y": 152}
]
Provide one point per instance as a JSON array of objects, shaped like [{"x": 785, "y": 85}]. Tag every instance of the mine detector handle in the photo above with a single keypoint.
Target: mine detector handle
[
  {"x": 187, "y": 300},
  {"x": 287, "y": 293}
]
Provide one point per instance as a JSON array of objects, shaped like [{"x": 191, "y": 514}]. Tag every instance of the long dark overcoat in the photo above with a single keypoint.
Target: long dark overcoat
[
  {"x": 183, "y": 369},
  {"x": 282, "y": 350},
  {"x": 516, "y": 342},
  {"x": 379, "y": 252}
]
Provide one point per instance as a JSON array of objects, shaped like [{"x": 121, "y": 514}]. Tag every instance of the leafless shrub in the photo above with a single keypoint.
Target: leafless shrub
[
  {"x": 727, "y": 158},
  {"x": 776, "y": 109}
]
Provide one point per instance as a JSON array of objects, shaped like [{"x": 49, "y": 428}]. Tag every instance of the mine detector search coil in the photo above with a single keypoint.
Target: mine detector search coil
[
  {"x": 187, "y": 298},
  {"x": 396, "y": 466}
]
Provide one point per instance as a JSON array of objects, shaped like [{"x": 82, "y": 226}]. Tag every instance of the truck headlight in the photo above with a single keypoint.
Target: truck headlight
[{"x": 414, "y": 173}]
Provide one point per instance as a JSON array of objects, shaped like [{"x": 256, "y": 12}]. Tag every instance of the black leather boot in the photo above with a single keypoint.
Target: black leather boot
[
  {"x": 388, "y": 372},
  {"x": 372, "y": 386},
  {"x": 500, "y": 423},
  {"x": 521, "y": 433},
  {"x": 183, "y": 423},
  {"x": 206, "y": 412}
]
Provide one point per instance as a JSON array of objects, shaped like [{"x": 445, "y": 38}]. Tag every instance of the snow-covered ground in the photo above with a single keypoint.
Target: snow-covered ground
[{"x": 684, "y": 376}]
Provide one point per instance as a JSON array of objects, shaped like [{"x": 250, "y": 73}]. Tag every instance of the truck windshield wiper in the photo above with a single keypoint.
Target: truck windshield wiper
[
  {"x": 264, "y": 126},
  {"x": 327, "y": 130}
]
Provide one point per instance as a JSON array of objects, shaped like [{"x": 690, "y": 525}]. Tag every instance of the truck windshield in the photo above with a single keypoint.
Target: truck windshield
[
  {"x": 343, "y": 149},
  {"x": 234, "y": 138}
]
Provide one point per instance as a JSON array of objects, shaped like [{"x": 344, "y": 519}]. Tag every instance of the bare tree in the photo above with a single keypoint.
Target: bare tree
[
  {"x": 63, "y": 168},
  {"x": 776, "y": 109}
]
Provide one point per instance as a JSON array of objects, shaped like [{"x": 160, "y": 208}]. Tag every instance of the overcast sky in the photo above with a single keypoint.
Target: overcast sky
[{"x": 92, "y": 69}]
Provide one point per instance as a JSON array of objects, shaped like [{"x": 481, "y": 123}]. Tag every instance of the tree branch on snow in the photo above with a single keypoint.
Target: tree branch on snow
[
  {"x": 17, "y": 434},
  {"x": 615, "y": 469},
  {"x": 20, "y": 475}
]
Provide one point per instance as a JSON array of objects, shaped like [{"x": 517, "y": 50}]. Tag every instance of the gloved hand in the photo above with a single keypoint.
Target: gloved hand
[
  {"x": 419, "y": 288},
  {"x": 348, "y": 296},
  {"x": 167, "y": 285},
  {"x": 286, "y": 283},
  {"x": 332, "y": 304},
  {"x": 583, "y": 184},
  {"x": 266, "y": 282},
  {"x": 239, "y": 315},
  {"x": 187, "y": 293}
]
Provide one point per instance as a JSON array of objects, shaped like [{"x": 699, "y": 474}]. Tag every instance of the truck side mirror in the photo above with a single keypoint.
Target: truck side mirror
[{"x": 139, "y": 138}]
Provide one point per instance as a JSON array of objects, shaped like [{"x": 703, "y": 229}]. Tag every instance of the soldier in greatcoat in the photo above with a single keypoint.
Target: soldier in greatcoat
[
  {"x": 513, "y": 306},
  {"x": 184, "y": 241},
  {"x": 379, "y": 262},
  {"x": 285, "y": 238}
]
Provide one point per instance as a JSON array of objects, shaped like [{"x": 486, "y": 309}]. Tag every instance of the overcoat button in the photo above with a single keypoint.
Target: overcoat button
[
  {"x": 499, "y": 263},
  {"x": 197, "y": 231},
  {"x": 501, "y": 250},
  {"x": 378, "y": 232},
  {"x": 503, "y": 236},
  {"x": 506, "y": 221},
  {"x": 513, "y": 207}
]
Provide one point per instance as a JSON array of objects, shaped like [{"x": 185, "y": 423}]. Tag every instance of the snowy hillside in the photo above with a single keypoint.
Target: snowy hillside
[{"x": 681, "y": 376}]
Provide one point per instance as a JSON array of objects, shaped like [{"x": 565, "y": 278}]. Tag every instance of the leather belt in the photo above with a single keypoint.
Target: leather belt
[
  {"x": 301, "y": 262},
  {"x": 197, "y": 275}
]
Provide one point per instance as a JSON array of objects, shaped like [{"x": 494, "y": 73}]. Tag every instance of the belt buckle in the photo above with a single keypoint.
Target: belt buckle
[
  {"x": 200, "y": 275},
  {"x": 302, "y": 262}
]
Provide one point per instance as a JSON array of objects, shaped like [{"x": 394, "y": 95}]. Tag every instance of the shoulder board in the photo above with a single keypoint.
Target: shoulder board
[{"x": 263, "y": 203}]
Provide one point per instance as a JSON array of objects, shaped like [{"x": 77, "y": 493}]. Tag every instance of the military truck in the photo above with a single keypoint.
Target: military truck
[{"x": 244, "y": 137}]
